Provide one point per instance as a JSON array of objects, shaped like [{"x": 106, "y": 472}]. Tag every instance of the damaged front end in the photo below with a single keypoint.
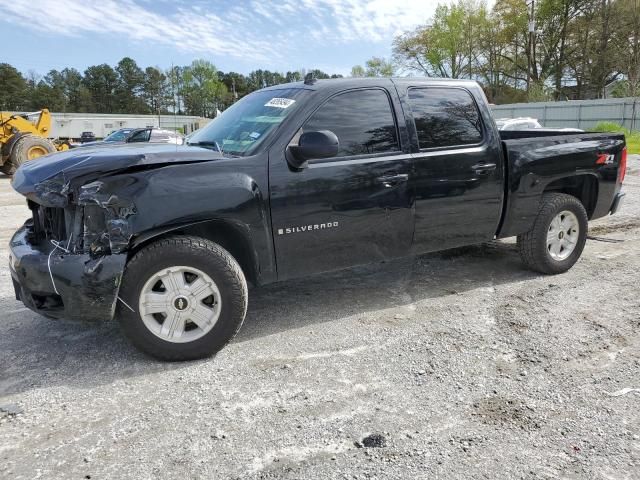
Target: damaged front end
[
  {"x": 68, "y": 259},
  {"x": 59, "y": 283},
  {"x": 106, "y": 227}
]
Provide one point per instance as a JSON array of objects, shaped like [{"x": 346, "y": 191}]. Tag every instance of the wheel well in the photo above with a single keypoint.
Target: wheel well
[
  {"x": 224, "y": 234},
  {"x": 583, "y": 187}
]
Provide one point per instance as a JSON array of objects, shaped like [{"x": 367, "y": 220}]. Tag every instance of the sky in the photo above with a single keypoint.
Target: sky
[{"x": 240, "y": 35}]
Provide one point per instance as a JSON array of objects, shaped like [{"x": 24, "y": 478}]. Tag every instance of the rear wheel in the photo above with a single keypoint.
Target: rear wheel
[
  {"x": 26, "y": 149},
  {"x": 183, "y": 298},
  {"x": 558, "y": 236}
]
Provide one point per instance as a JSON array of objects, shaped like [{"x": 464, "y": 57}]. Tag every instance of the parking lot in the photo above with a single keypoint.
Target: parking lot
[{"x": 460, "y": 364}]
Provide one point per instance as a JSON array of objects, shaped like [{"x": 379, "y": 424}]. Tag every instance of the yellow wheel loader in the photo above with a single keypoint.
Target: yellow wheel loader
[{"x": 22, "y": 140}]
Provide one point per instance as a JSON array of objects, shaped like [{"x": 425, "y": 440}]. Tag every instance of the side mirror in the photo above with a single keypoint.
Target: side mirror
[{"x": 313, "y": 145}]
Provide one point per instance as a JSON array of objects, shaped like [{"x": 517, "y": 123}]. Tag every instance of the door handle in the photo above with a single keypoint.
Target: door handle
[
  {"x": 389, "y": 181},
  {"x": 483, "y": 168}
]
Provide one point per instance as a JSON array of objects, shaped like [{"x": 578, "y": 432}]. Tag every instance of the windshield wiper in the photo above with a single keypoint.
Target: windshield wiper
[{"x": 211, "y": 143}]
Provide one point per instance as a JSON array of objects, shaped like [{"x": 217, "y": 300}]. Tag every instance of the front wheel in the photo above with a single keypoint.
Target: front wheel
[
  {"x": 183, "y": 298},
  {"x": 558, "y": 236}
]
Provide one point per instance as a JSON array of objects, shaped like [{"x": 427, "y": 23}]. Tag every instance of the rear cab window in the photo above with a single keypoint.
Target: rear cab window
[
  {"x": 445, "y": 117},
  {"x": 362, "y": 120}
]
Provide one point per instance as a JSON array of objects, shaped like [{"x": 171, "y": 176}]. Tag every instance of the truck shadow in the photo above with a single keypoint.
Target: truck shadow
[
  {"x": 335, "y": 295},
  {"x": 39, "y": 353}
]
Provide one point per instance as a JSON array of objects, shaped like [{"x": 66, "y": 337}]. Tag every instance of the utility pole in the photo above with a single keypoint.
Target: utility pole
[
  {"x": 173, "y": 92},
  {"x": 531, "y": 53},
  {"x": 173, "y": 98},
  {"x": 634, "y": 65},
  {"x": 470, "y": 46}
]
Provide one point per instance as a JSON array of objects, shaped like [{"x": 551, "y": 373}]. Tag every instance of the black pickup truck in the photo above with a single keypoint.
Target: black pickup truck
[{"x": 293, "y": 180}]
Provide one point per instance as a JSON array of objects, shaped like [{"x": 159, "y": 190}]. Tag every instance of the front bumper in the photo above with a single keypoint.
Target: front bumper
[
  {"x": 617, "y": 202},
  {"x": 64, "y": 285}
]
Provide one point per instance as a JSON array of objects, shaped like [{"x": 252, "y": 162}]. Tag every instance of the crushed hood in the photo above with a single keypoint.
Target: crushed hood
[{"x": 48, "y": 180}]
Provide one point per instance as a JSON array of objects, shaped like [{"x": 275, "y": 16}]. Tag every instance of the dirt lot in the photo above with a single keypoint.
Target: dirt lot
[{"x": 466, "y": 364}]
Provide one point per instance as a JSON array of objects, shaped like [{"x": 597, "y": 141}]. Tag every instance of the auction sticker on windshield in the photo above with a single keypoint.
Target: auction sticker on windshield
[{"x": 280, "y": 102}]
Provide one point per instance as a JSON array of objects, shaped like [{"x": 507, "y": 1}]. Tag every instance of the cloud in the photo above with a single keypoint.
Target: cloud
[
  {"x": 186, "y": 28},
  {"x": 253, "y": 30}
]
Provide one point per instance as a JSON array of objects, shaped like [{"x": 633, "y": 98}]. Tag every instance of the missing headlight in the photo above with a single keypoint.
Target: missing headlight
[{"x": 94, "y": 233}]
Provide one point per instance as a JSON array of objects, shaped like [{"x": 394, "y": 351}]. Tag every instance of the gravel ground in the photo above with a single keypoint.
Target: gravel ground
[{"x": 457, "y": 364}]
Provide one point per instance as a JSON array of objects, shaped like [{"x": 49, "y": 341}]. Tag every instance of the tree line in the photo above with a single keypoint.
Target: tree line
[
  {"x": 530, "y": 50},
  {"x": 196, "y": 89},
  {"x": 518, "y": 50}
]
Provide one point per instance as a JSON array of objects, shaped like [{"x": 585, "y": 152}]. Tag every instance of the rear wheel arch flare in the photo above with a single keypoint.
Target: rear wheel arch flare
[{"x": 582, "y": 186}]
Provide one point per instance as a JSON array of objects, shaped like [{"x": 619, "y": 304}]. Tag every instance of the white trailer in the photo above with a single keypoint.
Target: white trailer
[{"x": 71, "y": 125}]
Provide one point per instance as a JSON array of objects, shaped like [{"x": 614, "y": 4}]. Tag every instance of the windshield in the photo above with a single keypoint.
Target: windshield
[
  {"x": 244, "y": 126},
  {"x": 117, "y": 136},
  {"x": 501, "y": 123}
]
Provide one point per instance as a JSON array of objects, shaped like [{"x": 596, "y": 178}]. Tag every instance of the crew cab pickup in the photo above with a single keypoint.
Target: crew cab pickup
[{"x": 290, "y": 181}]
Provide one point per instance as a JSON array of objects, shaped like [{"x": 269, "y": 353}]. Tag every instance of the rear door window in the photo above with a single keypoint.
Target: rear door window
[
  {"x": 361, "y": 119},
  {"x": 445, "y": 117}
]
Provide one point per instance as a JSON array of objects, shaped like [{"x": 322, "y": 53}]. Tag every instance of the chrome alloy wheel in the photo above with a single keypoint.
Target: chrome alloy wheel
[
  {"x": 180, "y": 304},
  {"x": 562, "y": 236}
]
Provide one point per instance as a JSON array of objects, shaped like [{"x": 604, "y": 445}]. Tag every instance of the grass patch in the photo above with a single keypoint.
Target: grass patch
[
  {"x": 633, "y": 143},
  {"x": 632, "y": 138}
]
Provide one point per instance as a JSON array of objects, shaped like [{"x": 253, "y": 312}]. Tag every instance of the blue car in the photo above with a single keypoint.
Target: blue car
[{"x": 137, "y": 135}]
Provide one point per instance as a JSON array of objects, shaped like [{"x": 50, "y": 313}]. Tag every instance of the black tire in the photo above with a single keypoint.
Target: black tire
[
  {"x": 533, "y": 244},
  {"x": 188, "y": 251},
  {"x": 7, "y": 168},
  {"x": 20, "y": 152}
]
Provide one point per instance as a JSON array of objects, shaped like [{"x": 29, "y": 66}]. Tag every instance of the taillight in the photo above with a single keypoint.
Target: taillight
[{"x": 622, "y": 168}]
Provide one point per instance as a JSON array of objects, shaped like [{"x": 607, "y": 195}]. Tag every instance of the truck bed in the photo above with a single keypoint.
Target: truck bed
[
  {"x": 554, "y": 144},
  {"x": 539, "y": 161}
]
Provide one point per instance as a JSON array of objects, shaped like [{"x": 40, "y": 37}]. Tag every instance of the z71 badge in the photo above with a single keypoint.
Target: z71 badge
[{"x": 307, "y": 228}]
